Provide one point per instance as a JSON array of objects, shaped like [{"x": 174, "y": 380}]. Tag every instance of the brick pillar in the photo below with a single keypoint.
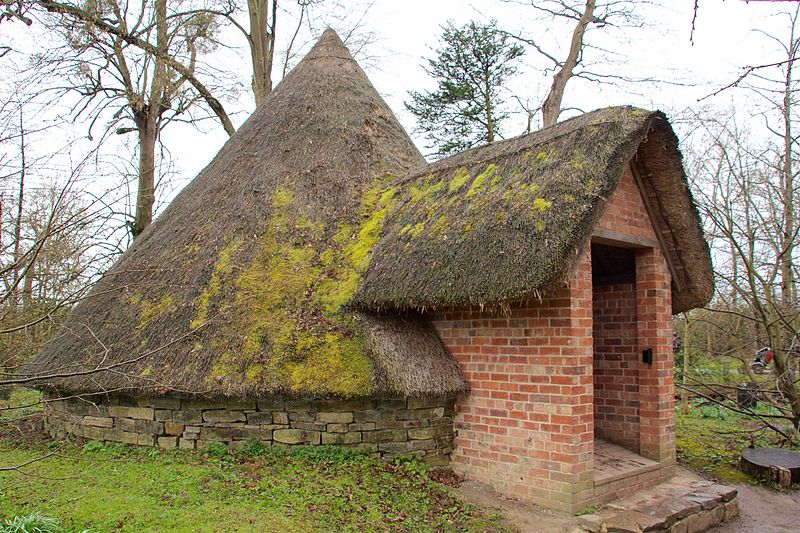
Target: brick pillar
[
  {"x": 579, "y": 359},
  {"x": 656, "y": 383}
]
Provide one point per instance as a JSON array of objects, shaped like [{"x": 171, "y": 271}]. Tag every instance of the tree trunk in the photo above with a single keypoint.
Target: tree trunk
[
  {"x": 146, "y": 189},
  {"x": 147, "y": 125},
  {"x": 551, "y": 108},
  {"x": 686, "y": 364},
  {"x": 262, "y": 45},
  {"x": 787, "y": 244},
  {"x": 18, "y": 269},
  {"x": 489, "y": 112}
]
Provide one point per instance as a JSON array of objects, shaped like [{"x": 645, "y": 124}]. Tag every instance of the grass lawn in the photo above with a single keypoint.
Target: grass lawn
[
  {"x": 120, "y": 488},
  {"x": 710, "y": 440}
]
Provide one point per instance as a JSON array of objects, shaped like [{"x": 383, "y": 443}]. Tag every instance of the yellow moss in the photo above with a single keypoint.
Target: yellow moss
[
  {"x": 360, "y": 248},
  {"x": 254, "y": 372},
  {"x": 222, "y": 269},
  {"x": 282, "y": 198},
  {"x": 135, "y": 299},
  {"x": 495, "y": 182},
  {"x": 290, "y": 297},
  {"x": 146, "y": 372},
  {"x": 430, "y": 187},
  {"x": 541, "y": 205},
  {"x": 544, "y": 156},
  {"x": 439, "y": 226},
  {"x": 416, "y": 230},
  {"x": 309, "y": 226},
  {"x": 387, "y": 197},
  {"x": 480, "y": 180},
  {"x": 568, "y": 198},
  {"x": 460, "y": 178},
  {"x": 540, "y": 225},
  {"x": 467, "y": 228},
  {"x": 327, "y": 258},
  {"x": 338, "y": 365},
  {"x": 149, "y": 312},
  {"x": 193, "y": 249},
  {"x": 578, "y": 161},
  {"x": 334, "y": 293}
]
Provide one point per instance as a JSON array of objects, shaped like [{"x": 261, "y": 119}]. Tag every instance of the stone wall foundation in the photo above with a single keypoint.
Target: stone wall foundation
[{"x": 386, "y": 428}]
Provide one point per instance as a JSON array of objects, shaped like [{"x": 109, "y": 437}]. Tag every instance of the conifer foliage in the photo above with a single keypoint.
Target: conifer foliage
[{"x": 470, "y": 69}]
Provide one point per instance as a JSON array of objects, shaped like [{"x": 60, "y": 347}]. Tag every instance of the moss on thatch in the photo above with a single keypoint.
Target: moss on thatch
[
  {"x": 515, "y": 229},
  {"x": 240, "y": 287}
]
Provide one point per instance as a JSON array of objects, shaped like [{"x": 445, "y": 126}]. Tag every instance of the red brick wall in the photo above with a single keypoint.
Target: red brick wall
[
  {"x": 656, "y": 381},
  {"x": 616, "y": 365},
  {"x": 527, "y": 425},
  {"x": 625, "y": 212}
]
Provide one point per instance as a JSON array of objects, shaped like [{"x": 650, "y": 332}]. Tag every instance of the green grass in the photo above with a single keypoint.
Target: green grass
[
  {"x": 119, "y": 488},
  {"x": 710, "y": 440},
  {"x": 21, "y": 402}
]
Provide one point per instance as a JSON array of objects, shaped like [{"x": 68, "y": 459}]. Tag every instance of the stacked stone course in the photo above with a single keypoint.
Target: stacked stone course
[{"x": 386, "y": 428}]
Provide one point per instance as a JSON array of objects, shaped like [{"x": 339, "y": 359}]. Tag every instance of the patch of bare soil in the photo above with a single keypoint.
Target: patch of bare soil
[
  {"x": 446, "y": 476},
  {"x": 29, "y": 429},
  {"x": 765, "y": 511},
  {"x": 517, "y": 516}
]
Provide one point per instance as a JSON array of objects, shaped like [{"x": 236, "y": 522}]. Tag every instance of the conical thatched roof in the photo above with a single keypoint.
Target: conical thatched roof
[
  {"x": 238, "y": 287},
  {"x": 505, "y": 222}
]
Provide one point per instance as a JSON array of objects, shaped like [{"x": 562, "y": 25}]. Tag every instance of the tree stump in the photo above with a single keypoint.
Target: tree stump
[{"x": 782, "y": 466}]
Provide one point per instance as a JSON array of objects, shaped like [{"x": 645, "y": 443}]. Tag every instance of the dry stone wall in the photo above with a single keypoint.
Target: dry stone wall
[{"x": 423, "y": 427}]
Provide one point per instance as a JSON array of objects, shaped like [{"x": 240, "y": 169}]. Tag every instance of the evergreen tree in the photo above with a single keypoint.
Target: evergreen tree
[{"x": 470, "y": 69}]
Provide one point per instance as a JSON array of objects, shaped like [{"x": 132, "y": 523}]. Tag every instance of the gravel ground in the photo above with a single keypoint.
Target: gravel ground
[{"x": 765, "y": 511}]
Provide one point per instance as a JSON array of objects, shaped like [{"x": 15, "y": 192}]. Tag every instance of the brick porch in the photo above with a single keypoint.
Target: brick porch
[{"x": 551, "y": 376}]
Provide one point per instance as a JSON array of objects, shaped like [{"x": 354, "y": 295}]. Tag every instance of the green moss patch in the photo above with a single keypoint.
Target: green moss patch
[
  {"x": 285, "y": 304},
  {"x": 710, "y": 439}
]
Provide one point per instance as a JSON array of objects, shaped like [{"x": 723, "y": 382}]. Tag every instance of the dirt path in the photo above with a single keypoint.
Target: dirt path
[
  {"x": 765, "y": 511},
  {"x": 518, "y": 516},
  {"x": 760, "y": 511}
]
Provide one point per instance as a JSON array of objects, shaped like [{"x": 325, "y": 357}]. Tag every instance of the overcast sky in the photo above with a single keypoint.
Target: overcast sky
[
  {"x": 404, "y": 34},
  {"x": 725, "y": 41}
]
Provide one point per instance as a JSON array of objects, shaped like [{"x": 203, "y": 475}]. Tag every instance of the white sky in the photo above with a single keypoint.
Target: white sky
[
  {"x": 406, "y": 32},
  {"x": 724, "y": 42}
]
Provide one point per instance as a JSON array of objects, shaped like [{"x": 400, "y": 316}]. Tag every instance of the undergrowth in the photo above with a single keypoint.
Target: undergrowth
[{"x": 710, "y": 439}]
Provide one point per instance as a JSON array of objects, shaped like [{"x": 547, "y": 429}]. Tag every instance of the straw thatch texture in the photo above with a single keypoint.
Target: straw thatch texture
[
  {"x": 505, "y": 221},
  {"x": 239, "y": 287}
]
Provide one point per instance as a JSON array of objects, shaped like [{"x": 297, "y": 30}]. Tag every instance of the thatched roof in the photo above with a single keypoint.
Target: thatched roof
[
  {"x": 506, "y": 221},
  {"x": 271, "y": 273},
  {"x": 239, "y": 287}
]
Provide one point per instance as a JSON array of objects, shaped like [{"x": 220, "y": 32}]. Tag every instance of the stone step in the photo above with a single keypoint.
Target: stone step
[{"x": 682, "y": 504}]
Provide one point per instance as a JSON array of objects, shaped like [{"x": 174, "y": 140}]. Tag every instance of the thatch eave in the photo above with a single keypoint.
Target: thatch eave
[{"x": 542, "y": 194}]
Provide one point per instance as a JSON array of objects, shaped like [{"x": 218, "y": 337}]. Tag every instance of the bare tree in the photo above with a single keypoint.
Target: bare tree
[
  {"x": 583, "y": 15},
  {"x": 134, "y": 67},
  {"x": 743, "y": 199}
]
